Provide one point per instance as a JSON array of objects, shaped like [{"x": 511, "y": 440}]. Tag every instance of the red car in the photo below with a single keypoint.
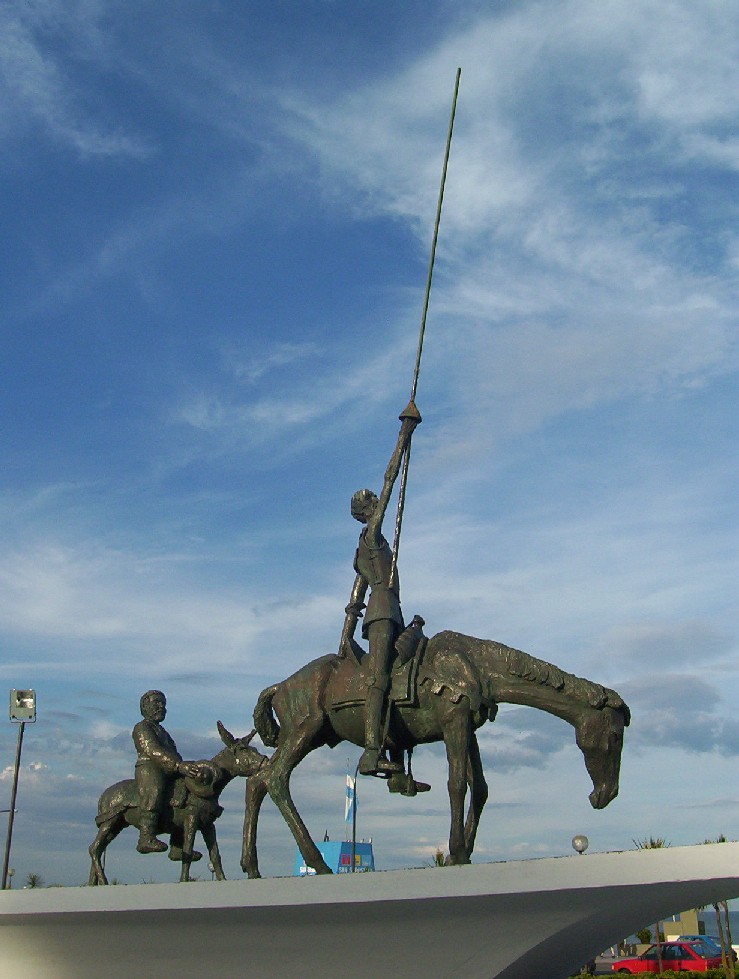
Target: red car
[{"x": 678, "y": 956}]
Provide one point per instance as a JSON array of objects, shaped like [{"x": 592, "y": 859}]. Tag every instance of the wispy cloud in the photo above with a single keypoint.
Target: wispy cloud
[
  {"x": 37, "y": 87},
  {"x": 91, "y": 593},
  {"x": 333, "y": 393},
  {"x": 573, "y": 486},
  {"x": 679, "y": 711},
  {"x": 253, "y": 369},
  {"x": 569, "y": 292}
]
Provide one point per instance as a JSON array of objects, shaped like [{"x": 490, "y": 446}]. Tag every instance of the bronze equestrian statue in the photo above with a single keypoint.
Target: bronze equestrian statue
[
  {"x": 408, "y": 690},
  {"x": 449, "y": 687}
]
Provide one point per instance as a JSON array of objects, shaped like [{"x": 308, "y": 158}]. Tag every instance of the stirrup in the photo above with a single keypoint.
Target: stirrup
[{"x": 373, "y": 762}]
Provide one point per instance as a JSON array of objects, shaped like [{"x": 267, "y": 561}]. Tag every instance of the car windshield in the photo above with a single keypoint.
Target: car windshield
[
  {"x": 703, "y": 949},
  {"x": 708, "y": 939}
]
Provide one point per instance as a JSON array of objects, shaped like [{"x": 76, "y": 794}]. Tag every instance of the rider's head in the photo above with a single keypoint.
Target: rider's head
[
  {"x": 153, "y": 705},
  {"x": 364, "y": 502}
]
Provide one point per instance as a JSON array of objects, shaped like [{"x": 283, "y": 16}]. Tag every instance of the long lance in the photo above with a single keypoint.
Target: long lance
[{"x": 419, "y": 351}]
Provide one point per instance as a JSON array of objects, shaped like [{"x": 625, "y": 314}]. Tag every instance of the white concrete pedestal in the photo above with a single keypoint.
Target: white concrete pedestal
[{"x": 532, "y": 919}]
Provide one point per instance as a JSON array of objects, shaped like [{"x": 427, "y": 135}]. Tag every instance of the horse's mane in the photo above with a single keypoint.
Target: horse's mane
[
  {"x": 517, "y": 663},
  {"x": 528, "y": 667}
]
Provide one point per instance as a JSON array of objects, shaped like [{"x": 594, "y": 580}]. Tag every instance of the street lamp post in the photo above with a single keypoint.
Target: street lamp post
[{"x": 22, "y": 712}]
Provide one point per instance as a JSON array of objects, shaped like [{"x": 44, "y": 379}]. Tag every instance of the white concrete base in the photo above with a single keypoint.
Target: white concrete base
[{"x": 532, "y": 919}]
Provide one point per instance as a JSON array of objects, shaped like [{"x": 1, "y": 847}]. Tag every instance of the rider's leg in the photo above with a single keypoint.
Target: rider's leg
[
  {"x": 150, "y": 783},
  {"x": 403, "y": 782},
  {"x": 381, "y": 635},
  {"x": 148, "y": 842}
]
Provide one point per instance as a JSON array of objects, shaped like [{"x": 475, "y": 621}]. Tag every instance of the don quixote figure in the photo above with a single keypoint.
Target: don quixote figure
[{"x": 407, "y": 690}]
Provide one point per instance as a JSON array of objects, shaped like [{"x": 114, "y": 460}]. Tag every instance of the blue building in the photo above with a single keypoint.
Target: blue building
[{"x": 338, "y": 856}]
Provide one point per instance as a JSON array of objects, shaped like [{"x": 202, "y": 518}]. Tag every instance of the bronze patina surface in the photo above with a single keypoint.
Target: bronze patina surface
[
  {"x": 452, "y": 688},
  {"x": 383, "y": 619},
  {"x": 188, "y": 803}
]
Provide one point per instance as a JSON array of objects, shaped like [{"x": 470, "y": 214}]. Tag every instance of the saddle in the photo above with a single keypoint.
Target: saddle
[
  {"x": 185, "y": 791},
  {"x": 350, "y": 680}
]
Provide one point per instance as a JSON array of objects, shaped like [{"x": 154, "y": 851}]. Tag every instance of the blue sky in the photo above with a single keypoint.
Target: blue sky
[{"x": 216, "y": 228}]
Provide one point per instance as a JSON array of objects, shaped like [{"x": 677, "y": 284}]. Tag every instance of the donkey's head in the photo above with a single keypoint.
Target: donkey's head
[{"x": 240, "y": 758}]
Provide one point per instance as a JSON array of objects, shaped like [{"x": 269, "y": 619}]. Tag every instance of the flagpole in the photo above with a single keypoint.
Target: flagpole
[
  {"x": 354, "y": 819},
  {"x": 422, "y": 331}
]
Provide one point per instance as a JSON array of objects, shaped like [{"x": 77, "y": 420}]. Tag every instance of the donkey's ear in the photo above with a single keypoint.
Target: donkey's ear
[
  {"x": 226, "y": 737},
  {"x": 249, "y": 736}
]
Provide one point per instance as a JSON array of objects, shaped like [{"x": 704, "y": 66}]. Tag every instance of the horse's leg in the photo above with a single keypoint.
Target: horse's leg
[
  {"x": 457, "y": 731},
  {"x": 290, "y": 752},
  {"x": 105, "y": 836},
  {"x": 256, "y": 790},
  {"x": 478, "y": 794},
  {"x": 214, "y": 854}
]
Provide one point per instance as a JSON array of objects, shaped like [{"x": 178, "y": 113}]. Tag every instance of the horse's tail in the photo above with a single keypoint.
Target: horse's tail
[{"x": 264, "y": 719}]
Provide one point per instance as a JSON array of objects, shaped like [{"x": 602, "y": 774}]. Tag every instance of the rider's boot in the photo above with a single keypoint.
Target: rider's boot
[
  {"x": 406, "y": 785},
  {"x": 372, "y": 761},
  {"x": 175, "y": 853},
  {"x": 148, "y": 843}
]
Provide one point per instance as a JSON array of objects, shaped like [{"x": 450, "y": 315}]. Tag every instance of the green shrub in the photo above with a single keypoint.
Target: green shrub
[{"x": 669, "y": 974}]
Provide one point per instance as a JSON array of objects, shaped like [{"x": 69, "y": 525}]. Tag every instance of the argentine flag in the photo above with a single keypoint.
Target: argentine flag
[{"x": 351, "y": 799}]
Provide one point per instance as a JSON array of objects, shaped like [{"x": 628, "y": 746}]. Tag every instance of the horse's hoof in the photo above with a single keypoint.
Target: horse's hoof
[{"x": 462, "y": 861}]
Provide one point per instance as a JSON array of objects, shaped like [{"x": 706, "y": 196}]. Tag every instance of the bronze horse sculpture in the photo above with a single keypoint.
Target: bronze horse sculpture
[
  {"x": 453, "y": 685},
  {"x": 198, "y": 808}
]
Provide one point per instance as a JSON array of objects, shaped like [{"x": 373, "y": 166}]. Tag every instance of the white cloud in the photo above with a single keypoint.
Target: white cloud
[
  {"x": 91, "y": 593},
  {"x": 331, "y": 396},
  {"x": 669, "y": 643},
  {"x": 545, "y": 300},
  {"x": 253, "y": 369},
  {"x": 36, "y": 86},
  {"x": 583, "y": 286}
]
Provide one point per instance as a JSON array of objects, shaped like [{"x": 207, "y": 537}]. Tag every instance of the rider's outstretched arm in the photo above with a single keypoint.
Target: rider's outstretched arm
[{"x": 410, "y": 418}]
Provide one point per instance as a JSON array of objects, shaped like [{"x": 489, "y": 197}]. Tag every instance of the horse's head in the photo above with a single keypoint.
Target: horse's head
[
  {"x": 600, "y": 737},
  {"x": 246, "y": 759}
]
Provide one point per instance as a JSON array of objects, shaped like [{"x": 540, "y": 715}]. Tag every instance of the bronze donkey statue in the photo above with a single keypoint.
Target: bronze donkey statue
[{"x": 118, "y": 807}]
